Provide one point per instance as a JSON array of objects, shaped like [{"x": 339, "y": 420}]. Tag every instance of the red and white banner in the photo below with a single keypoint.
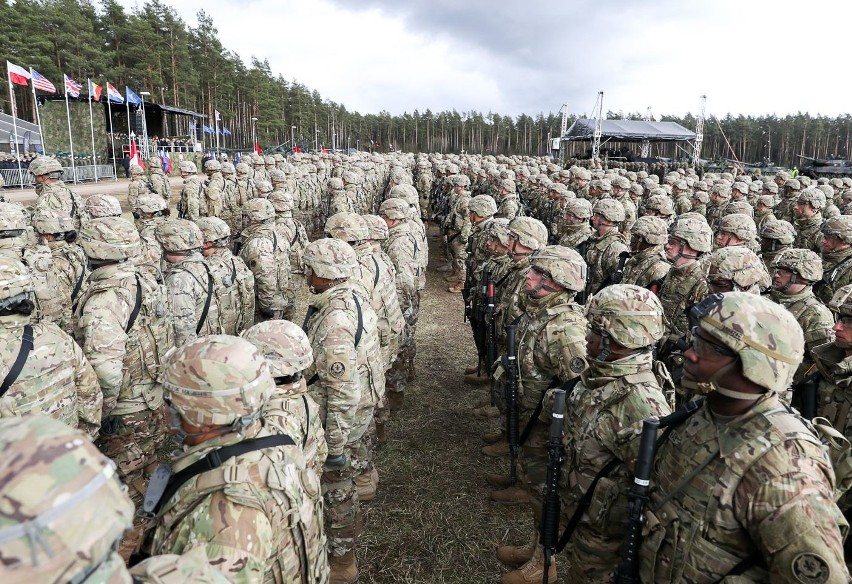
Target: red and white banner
[{"x": 18, "y": 75}]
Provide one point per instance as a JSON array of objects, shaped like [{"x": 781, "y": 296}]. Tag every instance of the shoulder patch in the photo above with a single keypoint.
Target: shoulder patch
[
  {"x": 809, "y": 568},
  {"x": 337, "y": 369},
  {"x": 577, "y": 365}
]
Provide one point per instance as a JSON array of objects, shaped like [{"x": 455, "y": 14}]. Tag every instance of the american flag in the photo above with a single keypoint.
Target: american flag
[
  {"x": 41, "y": 83},
  {"x": 72, "y": 88}
]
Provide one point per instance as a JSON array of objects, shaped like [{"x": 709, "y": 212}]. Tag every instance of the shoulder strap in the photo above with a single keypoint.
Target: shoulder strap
[
  {"x": 295, "y": 235},
  {"x": 217, "y": 458},
  {"x": 568, "y": 387},
  {"x": 18, "y": 366},
  {"x": 307, "y": 420},
  {"x": 583, "y": 504},
  {"x": 376, "y": 276},
  {"x": 136, "y": 307},
  {"x": 360, "y": 330},
  {"x": 206, "y": 308},
  {"x": 77, "y": 287}
]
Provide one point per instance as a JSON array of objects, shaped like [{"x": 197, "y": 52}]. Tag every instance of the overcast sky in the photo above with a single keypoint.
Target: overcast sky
[{"x": 747, "y": 56}]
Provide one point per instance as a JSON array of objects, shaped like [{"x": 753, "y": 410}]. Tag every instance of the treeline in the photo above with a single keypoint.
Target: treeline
[{"x": 150, "y": 48}]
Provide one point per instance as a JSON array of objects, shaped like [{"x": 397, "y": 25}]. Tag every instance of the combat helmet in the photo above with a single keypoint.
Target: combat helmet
[
  {"x": 394, "y": 208},
  {"x": 629, "y": 315},
  {"x": 188, "y": 167},
  {"x": 331, "y": 259},
  {"x": 282, "y": 202},
  {"x": 654, "y": 230},
  {"x": 377, "y": 227},
  {"x": 348, "y": 227},
  {"x": 54, "y": 222},
  {"x": 214, "y": 230},
  {"x": 45, "y": 165},
  {"x": 212, "y": 166},
  {"x": 841, "y": 301},
  {"x": 110, "y": 239},
  {"x": 738, "y": 224},
  {"x": 498, "y": 229},
  {"x": 103, "y": 206},
  {"x": 62, "y": 508},
  {"x": 765, "y": 335},
  {"x": 803, "y": 263},
  {"x": 482, "y": 205},
  {"x": 580, "y": 208},
  {"x": 179, "y": 235},
  {"x": 151, "y": 204},
  {"x": 814, "y": 197},
  {"x": 609, "y": 209},
  {"x": 528, "y": 232},
  {"x": 564, "y": 265},
  {"x": 839, "y": 227},
  {"x": 284, "y": 345},
  {"x": 263, "y": 188},
  {"x": 217, "y": 380},
  {"x": 13, "y": 220},
  {"x": 258, "y": 211},
  {"x": 136, "y": 170},
  {"x": 779, "y": 230},
  {"x": 693, "y": 229},
  {"x": 155, "y": 162},
  {"x": 740, "y": 266},
  {"x": 228, "y": 168}
]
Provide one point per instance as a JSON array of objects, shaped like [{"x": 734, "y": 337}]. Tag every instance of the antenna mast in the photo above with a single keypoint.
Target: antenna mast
[
  {"x": 598, "y": 113},
  {"x": 699, "y": 132}
]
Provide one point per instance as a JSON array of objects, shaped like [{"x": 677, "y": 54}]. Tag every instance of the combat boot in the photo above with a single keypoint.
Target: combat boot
[
  {"x": 344, "y": 569},
  {"x": 513, "y": 494},
  {"x": 365, "y": 486},
  {"x": 492, "y": 437},
  {"x": 381, "y": 436},
  {"x": 472, "y": 370},
  {"x": 516, "y": 556},
  {"x": 532, "y": 571},
  {"x": 488, "y": 412},
  {"x": 498, "y": 480},
  {"x": 496, "y": 450},
  {"x": 445, "y": 268},
  {"x": 456, "y": 288},
  {"x": 394, "y": 400},
  {"x": 474, "y": 379}
]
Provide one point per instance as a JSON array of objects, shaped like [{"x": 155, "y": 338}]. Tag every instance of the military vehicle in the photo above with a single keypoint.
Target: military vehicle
[{"x": 829, "y": 167}]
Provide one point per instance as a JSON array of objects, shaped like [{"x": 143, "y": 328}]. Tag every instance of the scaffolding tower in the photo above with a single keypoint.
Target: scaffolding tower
[
  {"x": 699, "y": 132},
  {"x": 597, "y": 113}
]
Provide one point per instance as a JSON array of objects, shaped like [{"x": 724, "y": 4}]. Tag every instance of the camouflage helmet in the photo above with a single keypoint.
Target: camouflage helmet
[
  {"x": 192, "y": 566},
  {"x": 269, "y": 160},
  {"x": 155, "y": 162},
  {"x": 766, "y": 200},
  {"x": 136, "y": 170},
  {"x": 103, "y": 206},
  {"x": 694, "y": 230},
  {"x": 601, "y": 184},
  {"x": 793, "y": 185},
  {"x": 213, "y": 228},
  {"x": 580, "y": 208},
  {"x": 63, "y": 507},
  {"x": 263, "y": 188},
  {"x": 282, "y": 201},
  {"x": 609, "y": 209},
  {"x": 110, "y": 239},
  {"x": 740, "y": 206},
  {"x": 335, "y": 183},
  {"x": 780, "y": 230},
  {"x": 348, "y": 227},
  {"x": 177, "y": 235},
  {"x": 765, "y": 335},
  {"x": 653, "y": 230},
  {"x": 814, "y": 197},
  {"x": 565, "y": 266},
  {"x": 482, "y": 205},
  {"x": 394, "y": 208},
  {"x": 498, "y": 229},
  {"x": 701, "y": 196},
  {"x": 228, "y": 168},
  {"x": 243, "y": 168},
  {"x": 740, "y": 187},
  {"x": 212, "y": 166},
  {"x": 841, "y": 301},
  {"x": 460, "y": 180},
  {"x": 258, "y": 210},
  {"x": 529, "y": 232},
  {"x": 217, "y": 380},
  {"x": 13, "y": 217},
  {"x": 42, "y": 165},
  {"x": 804, "y": 262},
  {"x": 630, "y": 315},
  {"x": 277, "y": 175},
  {"x": 740, "y": 265},
  {"x": 407, "y": 193},
  {"x": 377, "y": 227},
  {"x": 738, "y": 224},
  {"x": 332, "y": 259},
  {"x": 150, "y": 204},
  {"x": 15, "y": 278},
  {"x": 661, "y": 203},
  {"x": 52, "y": 221},
  {"x": 840, "y": 227},
  {"x": 284, "y": 344},
  {"x": 188, "y": 166},
  {"x": 507, "y": 185}
]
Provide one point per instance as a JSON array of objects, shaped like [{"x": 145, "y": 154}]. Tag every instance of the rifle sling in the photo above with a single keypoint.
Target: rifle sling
[
  {"x": 27, "y": 343},
  {"x": 207, "y": 300},
  {"x": 583, "y": 504},
  {"x": 568, "y": 387}
]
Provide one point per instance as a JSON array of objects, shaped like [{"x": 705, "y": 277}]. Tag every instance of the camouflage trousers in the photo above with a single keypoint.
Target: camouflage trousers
[
  {"x": 458, "y": 254},
  {"x": 131, "y": 441},
  {"x": 340, "y": 496},
  {"x": 362, "y": 453}
]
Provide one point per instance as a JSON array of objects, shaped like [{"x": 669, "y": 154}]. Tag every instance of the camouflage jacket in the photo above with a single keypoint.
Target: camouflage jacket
[
  {"x": 213, "y": 194},
  {"x": 761, "y": 484},
  {"x": 836, "y": 273},
  {"x": 401, "y": 247},
  {"x": 629, "y": 214},
  {"x": 377, "y": 280},
  {"x": 784, "y": 208},
  {"x": 602, "y": 258},
  {"x": 257, "y": 515},
  {"x": 683, "y": 287},
  {"x": 508, "y": 207},
  {"x": 349, "y": 367},
  {"x": 266, "y": 252},
  {"x": 57, "y": 196},
  {"x": 159, "y": 183},
  {"x": 192, "y": 204},
  {"x": 421, "y": 251},
  {"x": 190, "y": 284},
  {"x": 293, "y": 412},
  {"x": 126, "y": 355},
  {"x": 150, "y": 259},
  {"x": 135, "y": 188},
  {"x": 646, "y": 267},
  {"x": 575, "y": 236},
  {"x": 56, "y": 379},
  {"x": 815, "y": 319},
  {"x": 70, "y": 269},
  {"x": 808, "y": 234},
  {"x": 297, "y": 238},
  {"x": 234, "y": 290},
  {"x": 39, "y": 260}
]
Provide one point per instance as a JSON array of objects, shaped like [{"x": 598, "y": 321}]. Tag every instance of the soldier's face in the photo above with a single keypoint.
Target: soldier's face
[
  {"x": 843, "y": 331},
  {"x": 705, "y": 356},
  {"x": 832, "y": 243}
]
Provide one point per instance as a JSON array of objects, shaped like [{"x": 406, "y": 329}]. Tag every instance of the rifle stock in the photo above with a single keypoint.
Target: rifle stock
[
  {"x": 512, "y": 402},
  {"x": 550, "y": 510}
]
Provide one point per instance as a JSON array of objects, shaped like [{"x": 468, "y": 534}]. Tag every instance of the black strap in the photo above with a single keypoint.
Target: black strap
[
  {"x": 376, "y": 277},
  {"x": 307, "y": 420},
  {"x": 77, "y": 287},
  {"x": 314, "y": 378},
  {"x": 216, "y": 458},
  {"x": 18, "y": 366},
  {"x": 233, "y": 271},
  {"x": 568, "y": 387},
  {"x": 502, "y": 280},
  {"x": 312, "y": 310},
  {"x": 742, "y": 566},
  {"x": 295, "y": 235},
  {"x": 583, "y": 504},
  {"x": 206, "y": 308},
  {"x": 360, "y": 330},
  {"x": 136, "y": 307}
]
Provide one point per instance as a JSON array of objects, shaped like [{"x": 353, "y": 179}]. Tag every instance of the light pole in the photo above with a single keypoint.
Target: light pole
[
  {"x": 334, "y": 141},
  {"x": 145, "y": 144},
  {"x": 316, "y": 141},
  {"x": 253, "y": 134},
  {"x": 293, "y": 138}
]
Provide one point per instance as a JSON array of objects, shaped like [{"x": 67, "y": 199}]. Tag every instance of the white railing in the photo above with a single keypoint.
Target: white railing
[{"x": 84, "y": 173}]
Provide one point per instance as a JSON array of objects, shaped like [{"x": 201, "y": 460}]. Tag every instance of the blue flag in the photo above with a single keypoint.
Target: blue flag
[{"x": 132, "y": 98}]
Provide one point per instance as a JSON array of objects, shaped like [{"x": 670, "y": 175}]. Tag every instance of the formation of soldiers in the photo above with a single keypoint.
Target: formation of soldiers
[
  {"x": 154, "y": 383},
  {"x": 715, "y": 310}
]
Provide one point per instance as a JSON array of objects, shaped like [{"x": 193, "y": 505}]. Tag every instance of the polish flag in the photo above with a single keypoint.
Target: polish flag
[
  {"x": 134, "y": 155},
  {"x": 17, "y": 75}
]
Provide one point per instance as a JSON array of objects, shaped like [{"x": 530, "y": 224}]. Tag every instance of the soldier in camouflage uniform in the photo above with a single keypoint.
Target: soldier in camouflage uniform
[
  {"x": 290, "y": 227},
  {"x": 794, "y": 273},
  {"x": 157, "y": 179},
  {"x": 212, "y": 190},
  {"x": 647, "y": 266},
  {"x": 233, "y": 281},
  {"x": 266, "y": 251},
  {"x": 790, "y": 194},
  {"x": 459, "y": 229},
  {"x": 137, "y": 186},
  {"x": 836, "y": 248},
  {"x": 191, "y": 204},
  {"x": 16, "y": 244},
  {"x": 620, "y": 192},
  {"x": 742, "y": 490},
  {"x": 607, "y": 252},
  {"x": 151, "y": 211},
  {"x": 720, "y": 195},
  {"x": 55, "y": 229},
  {"x": 231, "y": 205},
  {"x": 508, "y": 204},
  {"x": 103, "y": 206},
  {"x": 763, "y": 211},
  {"x": 290, "y": 410},
  {"x": 255, "y": 512},
  {"x": 123, "y": 327},
  {"x": 807, "y": 211},
  {"x": 55, "y": 377},
  {"x": 576, "y": 229},
  {"x": 63, "y": 510},
  {"x": 736, "y": 268},
  {"x": 347, "y": 380},
  {"x": 52, "y": 192},
  {"x": 193, "y": 304},
  {"x": 551, "y": 350}
]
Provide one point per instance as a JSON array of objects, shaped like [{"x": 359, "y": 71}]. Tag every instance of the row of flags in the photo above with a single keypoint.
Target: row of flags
[{"x": 20, "y": 76}]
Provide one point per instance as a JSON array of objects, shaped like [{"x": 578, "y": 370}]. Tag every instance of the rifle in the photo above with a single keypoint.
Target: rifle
[
  {"x": 616, "y": 276},
  {"x": 510, "y": 365},
  {"x": 550, "y": 510},
  {"x": 490, "y": 331},
  {"x": 637, "y": 499},
  {"x": 805, "y": 393},
  {"x": 551, "y": 235}
]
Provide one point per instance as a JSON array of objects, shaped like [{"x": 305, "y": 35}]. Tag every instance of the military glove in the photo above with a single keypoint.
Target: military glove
[{"x": 336, "y": 462}]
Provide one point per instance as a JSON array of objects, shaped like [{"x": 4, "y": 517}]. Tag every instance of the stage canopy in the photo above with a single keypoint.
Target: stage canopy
[{"x": 628, "y": 131}]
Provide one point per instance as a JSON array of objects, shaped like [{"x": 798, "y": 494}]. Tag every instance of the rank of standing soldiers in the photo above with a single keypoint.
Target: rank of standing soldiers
[
  {"x": 625, "y": 296},
  {"x": 714, "y": 308}
]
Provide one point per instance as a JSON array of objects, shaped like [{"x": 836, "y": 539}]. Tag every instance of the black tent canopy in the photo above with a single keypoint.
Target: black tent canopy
[{"x": 628, "y": 131}]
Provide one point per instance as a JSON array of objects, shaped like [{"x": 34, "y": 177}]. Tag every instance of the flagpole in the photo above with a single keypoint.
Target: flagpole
[
  {"x": 92, "y": 128},
  {"x": 111, "y": 135},
  {"x": 70, "y": 138},
  {"x": 15, "y": 126},
  {"x": 38, "y": 114},
  {"x": 127, "y": 103},
  {"x": 216, "y": 119}
]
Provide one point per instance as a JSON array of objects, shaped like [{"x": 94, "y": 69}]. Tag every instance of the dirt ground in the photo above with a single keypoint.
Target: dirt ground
[{"x": 106, "y": 187}]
